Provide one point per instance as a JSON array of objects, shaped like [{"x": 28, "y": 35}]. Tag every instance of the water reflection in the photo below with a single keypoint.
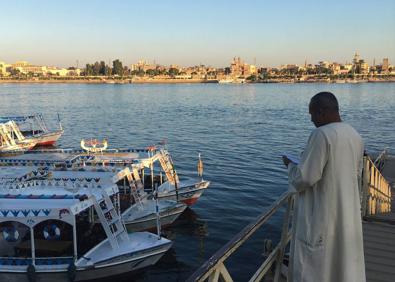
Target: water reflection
[{"x": 189, "y": 223}]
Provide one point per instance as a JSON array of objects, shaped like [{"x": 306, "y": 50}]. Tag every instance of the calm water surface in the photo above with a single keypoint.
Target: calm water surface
[{"x": 241, "y": 131}]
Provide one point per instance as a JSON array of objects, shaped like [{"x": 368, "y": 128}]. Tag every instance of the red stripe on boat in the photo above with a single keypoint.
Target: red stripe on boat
[{"x": 190, "y": 201}]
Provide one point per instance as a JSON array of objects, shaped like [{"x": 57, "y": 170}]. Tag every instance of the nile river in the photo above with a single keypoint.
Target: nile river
[{"x": 241, "y": 131}]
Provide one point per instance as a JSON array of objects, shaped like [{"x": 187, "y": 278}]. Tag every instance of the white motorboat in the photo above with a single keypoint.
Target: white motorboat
[
  {"x": 226, "y": 80},
  {"x": 187, "y": 191},
  {"x": 143, "y": 216},
  {"x": 53, "y": 231},
  {"x": 138, "y": 215}
]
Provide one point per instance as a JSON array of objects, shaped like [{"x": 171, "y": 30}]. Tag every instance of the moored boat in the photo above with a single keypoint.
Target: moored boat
[
  {"x": 12, "y": 140},
  {"x": 139, "y": 217},
  {"x": 172, "y": 188},
  {"x": 186, "y": 191},
  {"x": 34, "y": 127},
  {"x": 94, "y": 145},
  {"x": 62, "y": 232}
]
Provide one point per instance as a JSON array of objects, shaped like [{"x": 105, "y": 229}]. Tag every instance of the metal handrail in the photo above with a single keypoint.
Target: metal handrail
[
  {"x": 376, "y": 191},
  {"x": 214, "y": 266},
  {"x": 376, "y": 198},
  {"x": 379, "y": 162}
]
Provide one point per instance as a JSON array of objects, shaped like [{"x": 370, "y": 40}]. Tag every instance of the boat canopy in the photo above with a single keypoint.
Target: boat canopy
[
  {"x": 17, "y": 118},
  {"x": 31, "y": 202},
  {"x": 21, "y": 172}
]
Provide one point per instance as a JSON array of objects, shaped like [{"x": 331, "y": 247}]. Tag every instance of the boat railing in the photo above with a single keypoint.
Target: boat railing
[
  {"x": 376, "y": 191},
  {"x": 214, "y": 269}
]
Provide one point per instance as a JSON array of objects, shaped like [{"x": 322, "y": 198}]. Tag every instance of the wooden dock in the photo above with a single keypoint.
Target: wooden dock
[{"x": 379, "y": 236}]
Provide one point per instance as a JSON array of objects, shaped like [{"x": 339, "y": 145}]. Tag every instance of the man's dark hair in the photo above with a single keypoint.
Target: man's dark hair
[{"x": 325, "y": 101}]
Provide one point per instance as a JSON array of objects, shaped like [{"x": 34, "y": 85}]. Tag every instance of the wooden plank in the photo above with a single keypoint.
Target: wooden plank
[
  {"x": 385, "y": 261},
  {"x": 381, "y": 268},
  {"x": 384, "y": 229},
  {"x": 375, "y": 276},
  {"x": 379, "y": 240}
]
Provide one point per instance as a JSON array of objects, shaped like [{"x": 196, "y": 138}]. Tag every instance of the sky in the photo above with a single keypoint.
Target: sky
[{"x": 187, "y": 33}]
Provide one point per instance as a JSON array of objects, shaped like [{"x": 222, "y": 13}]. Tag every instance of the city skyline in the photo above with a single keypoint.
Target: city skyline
[
  {"x": 153, "y": 64},
  {"x": 186, "y": 34}
]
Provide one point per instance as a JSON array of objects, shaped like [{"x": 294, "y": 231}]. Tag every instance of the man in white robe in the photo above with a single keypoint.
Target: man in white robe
[{"x": 327, "y": 243}]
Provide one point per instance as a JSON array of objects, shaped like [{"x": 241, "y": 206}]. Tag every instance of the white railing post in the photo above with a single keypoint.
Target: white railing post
[
  {"x": 284, "y": 239},
  {"x": 365, "y": 187}
]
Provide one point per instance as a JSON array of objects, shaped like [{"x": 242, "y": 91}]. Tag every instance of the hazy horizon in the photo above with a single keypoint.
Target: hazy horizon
[{"x": 191, "y": 33}]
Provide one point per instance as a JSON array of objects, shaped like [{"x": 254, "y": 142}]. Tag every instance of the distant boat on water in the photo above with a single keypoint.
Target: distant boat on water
[
  {"x": 226, "y": 80},
  {"x": 232, "y": 80},
  {"x": 356, "y": 80}
]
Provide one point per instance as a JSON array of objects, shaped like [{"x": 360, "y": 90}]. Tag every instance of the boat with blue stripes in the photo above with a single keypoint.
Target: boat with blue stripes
[{"x": 60, "y": 230}]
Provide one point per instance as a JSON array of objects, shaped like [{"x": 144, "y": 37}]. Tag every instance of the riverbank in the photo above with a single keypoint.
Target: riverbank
[
  {"x": 106, "y": 81},
  {"x": 178, "y": 81}
]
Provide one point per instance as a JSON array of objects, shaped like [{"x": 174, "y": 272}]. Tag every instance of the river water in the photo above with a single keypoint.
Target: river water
[{"x": 240, "y": 130}]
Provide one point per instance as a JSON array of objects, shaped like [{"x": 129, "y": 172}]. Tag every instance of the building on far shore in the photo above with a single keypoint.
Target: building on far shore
[
  {"x": 4, "y": 69},
  {"x": 23, "y": 67},
  {"x": 26, "y": 68},
  {"x": 385, "y": 65},
  {"x": 240, "y": 69}
]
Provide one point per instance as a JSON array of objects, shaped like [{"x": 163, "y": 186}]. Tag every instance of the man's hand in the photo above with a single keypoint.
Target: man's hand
[{"x": 286, "y": 161}]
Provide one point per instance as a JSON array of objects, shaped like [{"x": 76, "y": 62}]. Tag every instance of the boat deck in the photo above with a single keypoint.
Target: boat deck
[{"x": 379, "y": 236}]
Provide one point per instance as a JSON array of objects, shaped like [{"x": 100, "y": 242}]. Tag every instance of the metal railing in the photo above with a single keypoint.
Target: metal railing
[
  {"x": 214, "y": 269},
  {"x": 376, "y": 191},
  {"x": 379, "y": 162},
  {"x": 376, "y": 199}
]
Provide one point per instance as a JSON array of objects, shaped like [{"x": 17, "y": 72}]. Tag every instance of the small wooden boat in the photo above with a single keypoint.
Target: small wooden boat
[
  {"x": 94, "y": 145},
  {"x": 34, "y": 127},
  {"x": 186, "y": 191}
]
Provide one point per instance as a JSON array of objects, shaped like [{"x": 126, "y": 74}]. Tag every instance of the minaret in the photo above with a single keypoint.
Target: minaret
[{"x": 356, "y": 58}]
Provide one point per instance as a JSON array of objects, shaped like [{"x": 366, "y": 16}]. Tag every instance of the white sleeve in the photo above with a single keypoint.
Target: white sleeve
[{"x": 314, "y": 158}]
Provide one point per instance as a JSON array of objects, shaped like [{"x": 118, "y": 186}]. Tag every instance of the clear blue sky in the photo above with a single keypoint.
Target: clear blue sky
[{"x": 186, "y": 32}]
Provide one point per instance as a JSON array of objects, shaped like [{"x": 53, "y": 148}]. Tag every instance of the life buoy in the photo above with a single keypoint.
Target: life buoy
[
  {"x": 51, "y": 232},
  {"x": 10, "y": 234}
]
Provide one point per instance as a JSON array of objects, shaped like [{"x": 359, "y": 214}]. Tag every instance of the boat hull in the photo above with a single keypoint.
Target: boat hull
[
  {"x": 122, "y": 265},
  {"x": 167, "y": 217},
  {"x": 188, "y": 194},
  {"x": 48, "y": 139},
  {"x": 22, "y": 147}
]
